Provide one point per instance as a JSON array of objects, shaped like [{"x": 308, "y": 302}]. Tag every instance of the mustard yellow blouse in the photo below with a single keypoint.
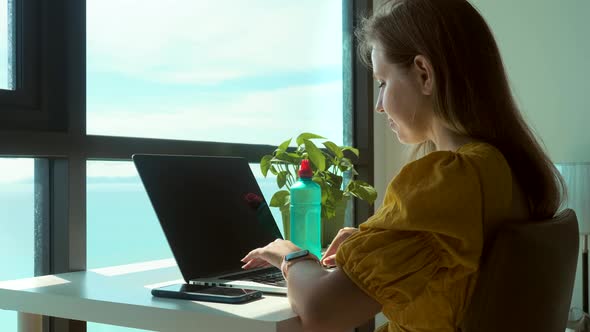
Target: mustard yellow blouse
[{"x": 419, "y": 254}]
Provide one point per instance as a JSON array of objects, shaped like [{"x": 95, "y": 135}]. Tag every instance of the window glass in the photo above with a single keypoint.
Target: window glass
[
  {"x": 121, "y": 220},
  {"x": 95, "y": 327},
  {"x": 573, "y": 174},
  {"x": 16, "y": 226},
  {"x": 254, "y": 71},
  {"x": 6, "y": 49}
]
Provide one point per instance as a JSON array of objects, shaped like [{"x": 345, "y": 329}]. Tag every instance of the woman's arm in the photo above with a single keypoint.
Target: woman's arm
[{"x": 327, "y": 301}]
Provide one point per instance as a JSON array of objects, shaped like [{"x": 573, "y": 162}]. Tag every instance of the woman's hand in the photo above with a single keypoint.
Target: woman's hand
[
  {"x": 329, "y": 258},
  {"x": 272, "y": 254}
]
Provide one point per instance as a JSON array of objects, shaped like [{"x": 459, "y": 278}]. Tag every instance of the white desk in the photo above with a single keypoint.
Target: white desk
[{"x": 111, "y": 297}]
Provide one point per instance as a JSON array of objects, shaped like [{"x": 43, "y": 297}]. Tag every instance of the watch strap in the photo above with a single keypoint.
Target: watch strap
[{"x": 286, "y": 264}]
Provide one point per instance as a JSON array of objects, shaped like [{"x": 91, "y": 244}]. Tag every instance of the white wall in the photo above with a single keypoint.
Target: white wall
[
  {"x": 546, "y": 48},
  {"x": 545, "y": 45}
]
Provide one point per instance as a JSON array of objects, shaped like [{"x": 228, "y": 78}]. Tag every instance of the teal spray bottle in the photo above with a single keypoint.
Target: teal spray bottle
[{"x": 306, "y": 199}]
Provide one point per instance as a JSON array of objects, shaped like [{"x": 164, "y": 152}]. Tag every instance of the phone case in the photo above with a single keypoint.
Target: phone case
[{"x": 206, "y": 297}]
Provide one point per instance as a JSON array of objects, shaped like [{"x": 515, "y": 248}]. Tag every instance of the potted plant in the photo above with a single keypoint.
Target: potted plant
[{"x": 332, "y": 169}]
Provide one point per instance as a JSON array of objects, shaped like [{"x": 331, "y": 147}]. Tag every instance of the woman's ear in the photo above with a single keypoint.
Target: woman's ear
[{"x": 425, "y": 74}]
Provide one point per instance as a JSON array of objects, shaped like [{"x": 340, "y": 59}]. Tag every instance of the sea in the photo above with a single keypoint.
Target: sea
[{"x": 121, "y": 225}]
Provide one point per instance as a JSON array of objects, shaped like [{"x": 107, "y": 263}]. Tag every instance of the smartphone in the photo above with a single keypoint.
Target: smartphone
[{"x": 207, "y": 293}]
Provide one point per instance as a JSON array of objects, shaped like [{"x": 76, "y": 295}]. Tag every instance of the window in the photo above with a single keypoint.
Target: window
[
  {"x": 86, "y": 99},
  {"x": 16, "y": 226},
  {"x": 121, "y": 220},
  {"x": 6, "y": 46},
  {"x": 94, "y": 327},
  {"x": 186, "y": 73}
]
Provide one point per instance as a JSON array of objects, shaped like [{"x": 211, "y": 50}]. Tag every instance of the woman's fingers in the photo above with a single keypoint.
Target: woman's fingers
[
  {"x": 253, "y": 260},
  {"x": 255, "y": 263},
  {"x": 333, "y": 247},
  {"x": 342, "y": 235},
  {"x": 329, "y": 252},
  {"x": 251, "y": 255},
  {"x": 271, "y": 254},
  {"x": 329, "y": 260}
]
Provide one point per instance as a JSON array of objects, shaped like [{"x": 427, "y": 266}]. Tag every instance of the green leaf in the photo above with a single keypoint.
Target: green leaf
[
  {"x": 315, "y": 155},
  {"x": 345, "y": 164},
  {"x": 265, "y": 164},
  {"x": 328, "y": 211},
  {"x": 286, "y": 157},
  {"x": 280, "y": 198},
  {"x": 318, "y": 179},
  {"x": 334, "y": 148},
  {"x": 273, "y": 170},
  {"x": 282, "y": 179},
  {"x": 324, "y": 187},
  {"x": 329, "y": 162},
  {"x": 307, "y": 136},
  {"x": 334, "y": 180},
  {"x": 363, "y": 191},
  {"x": 295, "y": 156},
  {"x": 283, "y": 147},
  {"x": 336, "y": 194},
  {"x": 350, "y": 148}
]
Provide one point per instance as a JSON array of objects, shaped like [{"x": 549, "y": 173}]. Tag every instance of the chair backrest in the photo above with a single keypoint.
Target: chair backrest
[{"x": 526, "y": 278}]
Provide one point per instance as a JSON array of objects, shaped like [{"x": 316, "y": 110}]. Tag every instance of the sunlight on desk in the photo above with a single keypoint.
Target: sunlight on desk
[
  {"x": 122, "y": 297},
  {"x": 36, "y": 282},
  {"x": 135, "y": 267}
]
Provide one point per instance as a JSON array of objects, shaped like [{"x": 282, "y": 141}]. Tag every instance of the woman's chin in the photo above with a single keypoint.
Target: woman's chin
[
  {"x": 404, "y": 139},
  {"x": 401, "y": 138}
]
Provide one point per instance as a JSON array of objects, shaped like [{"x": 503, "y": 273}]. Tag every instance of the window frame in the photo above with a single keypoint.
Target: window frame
[
  {"x": 20, "y": 108},
  {"x": 48, "y": 122}
]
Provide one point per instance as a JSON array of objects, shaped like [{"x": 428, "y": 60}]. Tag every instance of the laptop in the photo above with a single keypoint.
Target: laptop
[{"x": 212, "y": 213}]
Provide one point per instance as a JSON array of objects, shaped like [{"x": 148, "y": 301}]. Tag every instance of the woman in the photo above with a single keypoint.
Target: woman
[{"x": 443, "y": 88}]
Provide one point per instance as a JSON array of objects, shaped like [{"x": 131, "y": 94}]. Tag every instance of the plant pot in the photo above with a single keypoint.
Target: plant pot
[
  {"x": 330, "y": 227},
  {"x": 286, "y": 217}
]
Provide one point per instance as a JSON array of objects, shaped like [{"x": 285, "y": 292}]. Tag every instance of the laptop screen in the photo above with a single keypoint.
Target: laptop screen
[{"x": 211, "y": 210}]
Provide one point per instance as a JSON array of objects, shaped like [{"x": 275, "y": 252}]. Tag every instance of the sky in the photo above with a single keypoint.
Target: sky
[
  {"x": 231, "y": 71},
  {"x": 254, "y": 71}
]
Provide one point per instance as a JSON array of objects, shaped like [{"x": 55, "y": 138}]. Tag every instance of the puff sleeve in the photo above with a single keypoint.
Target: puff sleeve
[{"x": 428, "y": 228}]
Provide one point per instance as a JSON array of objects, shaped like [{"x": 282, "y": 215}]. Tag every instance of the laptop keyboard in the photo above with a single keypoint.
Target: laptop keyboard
[{"x": 270, "y": 277}]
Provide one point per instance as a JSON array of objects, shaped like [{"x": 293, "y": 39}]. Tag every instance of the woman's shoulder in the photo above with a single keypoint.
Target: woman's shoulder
[
  {"x": 475, "y": 167},
  {"x": 480, "y": 156},
  {"x": 483, "y": 152}
]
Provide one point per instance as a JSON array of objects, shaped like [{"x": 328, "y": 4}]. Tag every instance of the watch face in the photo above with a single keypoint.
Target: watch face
[{"x": 297, "y": 254}]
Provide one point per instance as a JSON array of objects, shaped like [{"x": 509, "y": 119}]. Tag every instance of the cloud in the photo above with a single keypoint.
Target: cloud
[
  {"x": 265, "y": 117},
  {"x": 15, "y": 170},
  {"x": 211, "y": 41}
]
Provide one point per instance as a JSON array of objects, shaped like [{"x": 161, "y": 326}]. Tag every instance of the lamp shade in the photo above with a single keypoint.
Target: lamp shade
[{"x": 577, "y": 179}]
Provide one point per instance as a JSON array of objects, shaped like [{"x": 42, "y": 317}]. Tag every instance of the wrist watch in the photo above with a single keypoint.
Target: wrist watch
[{"x": 294, "y": 257}]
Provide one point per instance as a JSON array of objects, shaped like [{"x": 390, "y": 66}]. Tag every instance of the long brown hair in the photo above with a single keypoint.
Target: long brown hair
[{"x": 471, "y": 94}]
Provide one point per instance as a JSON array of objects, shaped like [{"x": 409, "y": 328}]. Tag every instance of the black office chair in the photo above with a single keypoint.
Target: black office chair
[{"x": 526, "y": 278}]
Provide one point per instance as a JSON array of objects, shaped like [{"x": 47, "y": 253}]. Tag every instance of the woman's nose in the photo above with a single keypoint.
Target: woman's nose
[{"x": 379, "y": 106}]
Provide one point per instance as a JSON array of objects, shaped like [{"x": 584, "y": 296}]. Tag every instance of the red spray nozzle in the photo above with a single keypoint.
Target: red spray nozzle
[{"x": 305, "y": 169}]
